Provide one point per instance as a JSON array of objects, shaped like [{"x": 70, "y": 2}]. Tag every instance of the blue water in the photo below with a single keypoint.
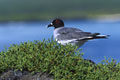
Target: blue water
[{"x": 96, "y": 50}]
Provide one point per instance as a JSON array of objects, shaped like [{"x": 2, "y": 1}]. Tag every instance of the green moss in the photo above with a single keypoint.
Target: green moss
[{"x": 64, "y": 62}]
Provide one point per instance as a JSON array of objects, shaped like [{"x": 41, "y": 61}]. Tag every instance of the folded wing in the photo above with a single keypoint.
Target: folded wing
[{"x": 77, "y": 34}]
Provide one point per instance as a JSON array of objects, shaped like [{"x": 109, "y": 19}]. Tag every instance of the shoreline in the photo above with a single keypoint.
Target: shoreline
[{"x": 101, "y": 17}]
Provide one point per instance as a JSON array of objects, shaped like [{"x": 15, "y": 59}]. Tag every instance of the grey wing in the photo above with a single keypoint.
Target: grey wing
[{"x": 73, "y": 33}]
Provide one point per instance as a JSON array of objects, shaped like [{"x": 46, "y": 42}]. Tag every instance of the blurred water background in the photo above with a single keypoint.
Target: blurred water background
[{"x": 26, "y": 20}]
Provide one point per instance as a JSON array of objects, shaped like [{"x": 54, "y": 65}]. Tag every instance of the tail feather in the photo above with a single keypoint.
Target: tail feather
[
  {"x": 95, "y": 36},
  {"x": 100, "y": 36}
]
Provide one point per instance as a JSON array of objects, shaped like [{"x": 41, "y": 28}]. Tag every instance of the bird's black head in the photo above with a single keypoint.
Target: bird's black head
[{"x": 56, "y": 23}]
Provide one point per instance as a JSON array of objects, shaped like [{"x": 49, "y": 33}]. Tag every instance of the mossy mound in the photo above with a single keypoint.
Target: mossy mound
[{"x": 63, "y": 62}]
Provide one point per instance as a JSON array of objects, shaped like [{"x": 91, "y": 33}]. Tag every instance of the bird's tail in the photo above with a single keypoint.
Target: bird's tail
[
  {"x": 97, "y": 36},
  {"x": 94, "y": 36}
]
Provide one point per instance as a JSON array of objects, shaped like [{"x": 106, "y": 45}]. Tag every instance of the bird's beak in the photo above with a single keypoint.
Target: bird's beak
[{"x": 50, "y": 25}]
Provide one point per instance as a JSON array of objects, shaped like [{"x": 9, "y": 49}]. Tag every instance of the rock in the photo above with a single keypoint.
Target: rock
[
  {"x": 9, "y": 75},
  {"x": 37, "y": 76},
  {"x": 25, "y": 75}
]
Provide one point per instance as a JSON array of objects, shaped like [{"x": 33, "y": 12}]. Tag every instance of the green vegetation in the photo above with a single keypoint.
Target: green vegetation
[
  {"x": 47, "y": 9},
  {"x": 63, "y": 62}
]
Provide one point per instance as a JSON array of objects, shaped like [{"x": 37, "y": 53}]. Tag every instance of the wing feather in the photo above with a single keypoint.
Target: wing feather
[{"x": 72, "y": 33}]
